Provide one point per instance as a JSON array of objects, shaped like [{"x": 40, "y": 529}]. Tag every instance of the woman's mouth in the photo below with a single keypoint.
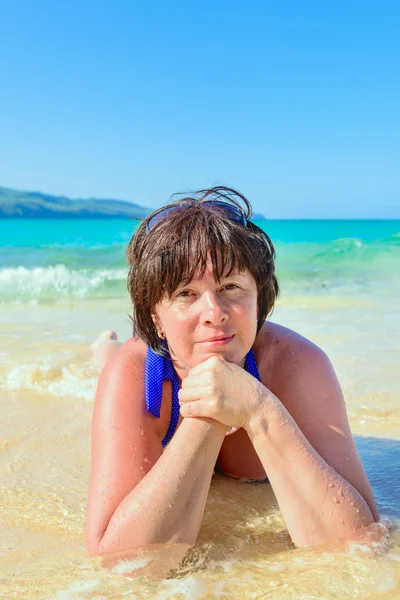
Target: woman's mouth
[{"x": 218, "y": 341}]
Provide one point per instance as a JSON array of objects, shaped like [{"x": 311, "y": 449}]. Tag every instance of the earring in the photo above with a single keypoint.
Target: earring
[{"x": 161, "y": 334}]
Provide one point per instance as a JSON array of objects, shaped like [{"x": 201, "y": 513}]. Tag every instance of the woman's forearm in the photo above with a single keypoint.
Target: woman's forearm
[
  {"x": 168, "y": 503},
  {"x": 317, "y": 504}
]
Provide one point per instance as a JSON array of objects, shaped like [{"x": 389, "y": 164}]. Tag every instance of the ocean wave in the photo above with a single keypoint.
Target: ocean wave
[
  {"x": 73, "y": 257},
  {"x": 58, "y": 282},
  {"x": 66, "y": 381},
  {"x": 344, "y": 262},
  {"x": 351, "y": 264}
]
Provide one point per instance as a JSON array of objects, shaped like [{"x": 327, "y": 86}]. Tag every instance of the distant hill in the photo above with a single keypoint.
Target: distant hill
[{"x": 18, "y": 204}]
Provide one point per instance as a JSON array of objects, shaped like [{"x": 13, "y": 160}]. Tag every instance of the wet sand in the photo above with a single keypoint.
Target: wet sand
[{"x": 47, "y": 389}]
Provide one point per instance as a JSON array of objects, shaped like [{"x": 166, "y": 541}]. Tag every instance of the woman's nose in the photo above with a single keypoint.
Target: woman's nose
[{"x": 213, "y": 309}]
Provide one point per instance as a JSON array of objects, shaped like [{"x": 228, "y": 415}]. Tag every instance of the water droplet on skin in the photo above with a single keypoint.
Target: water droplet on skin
[
  {"x": 331, "y": 512},
  {"x": 336, "y": 500},
  {"x": 357, "y": 510},
  {"x": 331, "y": 485},
  {"x": 341, "y": 493},
  {"x": 342, "y": 522}
]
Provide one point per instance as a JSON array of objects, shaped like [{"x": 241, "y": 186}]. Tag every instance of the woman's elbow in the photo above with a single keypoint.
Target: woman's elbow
[
  {"x": 93, "y": 544},
  {"x": 101, "y": 545},
  {"x": 95, "y": 540}
]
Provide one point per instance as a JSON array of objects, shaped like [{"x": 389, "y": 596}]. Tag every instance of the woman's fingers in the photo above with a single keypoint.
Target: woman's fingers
[
  {"x": 195, "y": 381},
  {"x": 191, "y": 394},
  {"x": 196, "y": 409},
  {"x": 211, "y": 364}
]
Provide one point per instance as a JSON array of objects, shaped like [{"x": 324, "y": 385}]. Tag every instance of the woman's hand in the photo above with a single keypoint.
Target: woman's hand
[{"x": 223, "y": 391}]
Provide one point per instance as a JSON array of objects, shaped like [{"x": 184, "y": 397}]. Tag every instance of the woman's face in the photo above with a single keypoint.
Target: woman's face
[{"x": 205, "y": 318}]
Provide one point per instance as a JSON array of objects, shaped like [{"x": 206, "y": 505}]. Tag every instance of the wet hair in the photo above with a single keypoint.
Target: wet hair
[{"x": 180, "y": 245}]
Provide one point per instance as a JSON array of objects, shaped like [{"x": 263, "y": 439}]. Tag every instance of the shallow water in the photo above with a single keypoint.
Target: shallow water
[{"x": 47, "y": 385}]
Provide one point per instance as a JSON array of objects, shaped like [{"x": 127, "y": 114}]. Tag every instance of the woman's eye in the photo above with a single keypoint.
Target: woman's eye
[
  {"x": 184, "y": 294},
  {"x": 231, "y": 286}
]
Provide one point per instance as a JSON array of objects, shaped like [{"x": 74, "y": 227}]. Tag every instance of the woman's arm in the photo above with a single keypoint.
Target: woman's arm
[
  {"x": 310, "y": 432},
  {"x": 304, "y": 441},
  {"x": 138, "y": 494},
  {"x": 317, "y": 503}
]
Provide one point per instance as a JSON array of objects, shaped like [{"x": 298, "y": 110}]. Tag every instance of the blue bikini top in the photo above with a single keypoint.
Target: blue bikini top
[{"x": 159, "y": 369}]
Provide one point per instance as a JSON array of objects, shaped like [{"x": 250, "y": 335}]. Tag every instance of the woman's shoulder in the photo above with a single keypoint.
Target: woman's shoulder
[
  {"x": 280, "y": 338},
  {"x": 130, "y": 353},
  {"x": 281, "y": 351},
  {"x": 120, "y": 395},
  {"x": 124, "y": 371}
]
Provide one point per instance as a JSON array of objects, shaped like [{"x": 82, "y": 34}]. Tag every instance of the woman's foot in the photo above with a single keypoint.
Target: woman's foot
[{"x": 104, "y": 347}]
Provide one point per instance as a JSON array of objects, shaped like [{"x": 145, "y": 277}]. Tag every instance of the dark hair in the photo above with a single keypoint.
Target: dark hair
[{"x": 180, "y": 245}]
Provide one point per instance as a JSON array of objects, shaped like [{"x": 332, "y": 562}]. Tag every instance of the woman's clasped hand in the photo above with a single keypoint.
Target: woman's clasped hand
[{"x": 224, "y": 391}]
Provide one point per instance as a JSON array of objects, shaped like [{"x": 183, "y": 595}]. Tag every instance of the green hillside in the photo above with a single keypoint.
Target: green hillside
[{"x": 19, "y": 204}]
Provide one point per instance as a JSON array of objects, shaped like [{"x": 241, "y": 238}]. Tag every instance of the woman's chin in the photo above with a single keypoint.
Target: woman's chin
[{"x": 228, "y": 354}]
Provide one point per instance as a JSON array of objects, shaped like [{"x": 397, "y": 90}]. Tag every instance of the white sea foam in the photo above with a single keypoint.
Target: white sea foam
[
  {"x": 126, "y": 566},
  {"x": 20, "y": 283},
  {"x": 392, "y": 556},
  {"x": 77, "y": 587},
  {"x": 73, "y": 385},
  {"x": 275, "y": 567},
  {"x": 60, "y": 382},
  {"x": 387, "y": 583},
  {"x": 226, "y": 565},
  {"x": 191, "y": 588}
]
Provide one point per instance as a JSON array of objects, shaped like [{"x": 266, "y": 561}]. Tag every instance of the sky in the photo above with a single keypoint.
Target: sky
[{"x": 295, "y": 104}]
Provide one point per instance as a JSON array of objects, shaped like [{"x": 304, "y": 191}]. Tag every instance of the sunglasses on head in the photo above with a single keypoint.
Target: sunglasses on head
[{"x": 230, "y": 212}]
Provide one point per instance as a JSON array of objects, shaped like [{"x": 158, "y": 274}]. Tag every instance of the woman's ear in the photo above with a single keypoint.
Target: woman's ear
[
  {"x": 157, "y": 325},
  {"x": 156, "y": 321}
]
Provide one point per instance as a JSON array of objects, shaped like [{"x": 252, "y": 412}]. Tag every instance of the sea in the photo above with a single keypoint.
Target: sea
[{"x": 63, "y": 282}]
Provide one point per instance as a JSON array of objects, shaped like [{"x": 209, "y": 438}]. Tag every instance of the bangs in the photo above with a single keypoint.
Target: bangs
[{"x": 209, "y": 238}]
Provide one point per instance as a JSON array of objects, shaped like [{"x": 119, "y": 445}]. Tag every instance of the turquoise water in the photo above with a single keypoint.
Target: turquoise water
[{"x": 48, "y": 260}]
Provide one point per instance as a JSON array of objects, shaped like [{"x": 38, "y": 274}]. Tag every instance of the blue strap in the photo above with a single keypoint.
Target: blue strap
[
  {"x": 153, "y": 379},
  {"x": 159, "y": 369},
  {"x": 250, "y": 364},
  {"x": 170, "y": 375}
]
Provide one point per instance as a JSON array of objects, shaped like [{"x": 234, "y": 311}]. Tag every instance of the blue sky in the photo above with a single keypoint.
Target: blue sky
[{"x": 294, "y": 103}]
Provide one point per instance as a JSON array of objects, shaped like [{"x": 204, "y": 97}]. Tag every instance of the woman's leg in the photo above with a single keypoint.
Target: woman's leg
[{"x": 104, "y": 348}]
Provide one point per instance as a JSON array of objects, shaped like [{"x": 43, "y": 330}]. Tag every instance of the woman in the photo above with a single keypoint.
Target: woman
[{"x": 207, "y": 383}]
